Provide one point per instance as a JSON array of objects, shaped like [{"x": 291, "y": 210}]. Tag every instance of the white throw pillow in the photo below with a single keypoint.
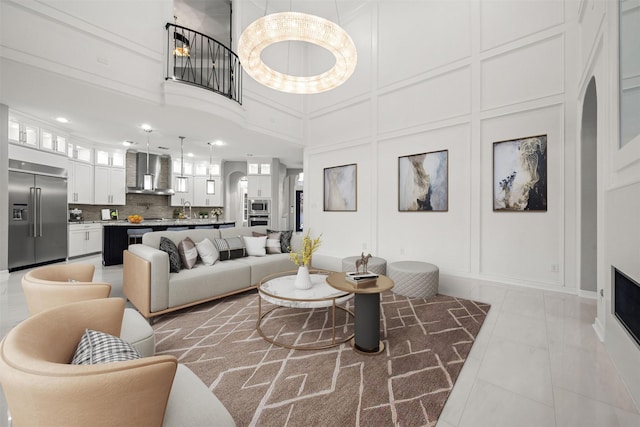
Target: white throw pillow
[
  {"x": 207, "y": 252},
  {"x": 256, "y": 246}
]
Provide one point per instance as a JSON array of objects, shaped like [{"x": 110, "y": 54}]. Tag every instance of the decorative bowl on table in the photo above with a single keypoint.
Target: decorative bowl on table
[{"x": 135, "y": 219}]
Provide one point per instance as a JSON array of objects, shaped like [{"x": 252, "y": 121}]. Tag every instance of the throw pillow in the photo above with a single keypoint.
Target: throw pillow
[
  {"x": 273, "y": 243},
  {"x": 188, "y": 253},
  {"x": 230, "y": 248},
  {"x": 99, "y": 347},
  {"x": 255, "y": 245},
  {"x": 207, "y": 252},
  {"x": 170, "y": 248},
  {"x": 285, "y": 239}
]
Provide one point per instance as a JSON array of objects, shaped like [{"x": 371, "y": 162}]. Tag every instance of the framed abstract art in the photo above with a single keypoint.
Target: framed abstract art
[
  {"x": 520, "y": 174},
  {"x": 340, "y": 188},
  {"x": 423, "y": 182}
]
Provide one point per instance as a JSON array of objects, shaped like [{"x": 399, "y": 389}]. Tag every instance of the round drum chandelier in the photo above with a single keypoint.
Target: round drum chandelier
[{"x": 295, "y": 26}]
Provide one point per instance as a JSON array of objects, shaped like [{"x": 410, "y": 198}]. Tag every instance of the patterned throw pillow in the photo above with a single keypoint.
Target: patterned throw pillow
[
  {"x": 207, "y": 251},
  {"x": 285, "y": 239},
  {"x": 255, "y": 245},
  {"x": 273, "y": 243},
  {"x": 170, "y": 248},
  {"x": 188, "y": 253},
  {"x": 99, "y": 347},
  {"x": 230, "y": 248}
]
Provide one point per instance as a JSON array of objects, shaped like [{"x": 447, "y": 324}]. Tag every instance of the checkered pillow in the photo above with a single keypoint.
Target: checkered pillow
[{"x": 99, "y": 347}]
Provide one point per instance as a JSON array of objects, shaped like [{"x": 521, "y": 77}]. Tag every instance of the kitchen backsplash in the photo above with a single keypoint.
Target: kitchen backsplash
[{"x": 148, "y": 206}]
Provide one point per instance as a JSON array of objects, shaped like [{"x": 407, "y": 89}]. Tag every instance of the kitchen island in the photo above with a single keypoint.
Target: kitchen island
[{"x": 115, "y": 239}]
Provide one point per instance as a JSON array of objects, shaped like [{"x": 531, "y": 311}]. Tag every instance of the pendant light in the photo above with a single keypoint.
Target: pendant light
[
  {"x": 181, "y": 181},
  {"x": 211, "y": 183},
  {"x": 147, "y": 183}
]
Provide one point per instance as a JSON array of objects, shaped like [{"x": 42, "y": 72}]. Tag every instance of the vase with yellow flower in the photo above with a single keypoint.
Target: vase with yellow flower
[{"x": 302, "y": 259}]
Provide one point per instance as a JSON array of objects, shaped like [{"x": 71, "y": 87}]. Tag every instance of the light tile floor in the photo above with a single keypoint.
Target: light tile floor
[{"x": 536, "y": 362}]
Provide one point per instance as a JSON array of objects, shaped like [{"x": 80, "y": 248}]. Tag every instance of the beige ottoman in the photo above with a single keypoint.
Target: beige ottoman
[
  {"x": 375, "y": 264},
  {"x": 414, "y": 279}
]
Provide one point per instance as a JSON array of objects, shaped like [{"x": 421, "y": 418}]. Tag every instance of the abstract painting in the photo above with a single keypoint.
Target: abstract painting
[
  {"x": 520, "y": 174},
  {"x": 423, "y": 182},
  {"x": 340, "y": 188}
]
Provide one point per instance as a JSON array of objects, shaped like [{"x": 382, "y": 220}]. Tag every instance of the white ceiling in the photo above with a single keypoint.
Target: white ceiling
[{"x": 110, "y": 117}]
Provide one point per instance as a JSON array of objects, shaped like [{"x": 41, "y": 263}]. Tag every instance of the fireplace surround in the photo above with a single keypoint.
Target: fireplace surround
[{"x": 626, "y": 303}]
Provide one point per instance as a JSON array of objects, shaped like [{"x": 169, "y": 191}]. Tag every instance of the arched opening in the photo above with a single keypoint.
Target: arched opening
[{"x": 589, "y": 190}]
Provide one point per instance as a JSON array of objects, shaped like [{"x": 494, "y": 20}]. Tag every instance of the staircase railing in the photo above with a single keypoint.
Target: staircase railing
[{"x": 197, "y": 59}]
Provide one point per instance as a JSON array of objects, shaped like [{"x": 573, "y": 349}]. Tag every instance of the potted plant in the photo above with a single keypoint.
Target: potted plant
[{"x": 302, "y": 259}]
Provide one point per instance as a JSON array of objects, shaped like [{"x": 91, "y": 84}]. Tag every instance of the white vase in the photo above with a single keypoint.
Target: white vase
[{"x": 303, "y": 278}]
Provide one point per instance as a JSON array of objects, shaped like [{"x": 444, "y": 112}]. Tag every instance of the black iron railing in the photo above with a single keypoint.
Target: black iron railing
[{"x": 197, "y": 59}]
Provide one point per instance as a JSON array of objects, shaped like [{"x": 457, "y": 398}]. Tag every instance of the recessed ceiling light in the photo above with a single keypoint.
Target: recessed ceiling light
[
  {"x": 145, "y": 126},
  {"x": 62, "y": 119},
  {"x": 189, "y": 154},
  {"x": 128, "y": 143}
]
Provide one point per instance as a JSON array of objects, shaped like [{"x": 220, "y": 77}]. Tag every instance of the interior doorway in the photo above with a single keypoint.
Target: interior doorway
[
  {"x": 589, "y": 190},
  {"x": 299, "y": 210}
]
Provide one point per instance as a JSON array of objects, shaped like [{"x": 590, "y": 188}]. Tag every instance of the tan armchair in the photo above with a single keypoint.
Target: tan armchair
[
  {"x": 43, "y": 389},
  {"x": 54, "y": 285}
]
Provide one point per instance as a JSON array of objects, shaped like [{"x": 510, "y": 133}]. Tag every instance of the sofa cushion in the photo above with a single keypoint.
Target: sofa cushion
[
  {"x": 167, "y": 245},
  {"x": 188, "y": 253},
  {"x": 285, "y": 239},
  {"x": 256, "y": 246},
  {"x": 273, "y": 243},
  {"x": 99, "y": 347},
  {"x": 230, "y": 248},
  {"x": 207, "y": 251},
  {"x": 153, "y": 239}
]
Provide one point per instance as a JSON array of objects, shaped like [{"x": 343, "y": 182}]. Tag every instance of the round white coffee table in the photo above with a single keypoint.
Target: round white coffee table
[{"x": 279, "y": 289}]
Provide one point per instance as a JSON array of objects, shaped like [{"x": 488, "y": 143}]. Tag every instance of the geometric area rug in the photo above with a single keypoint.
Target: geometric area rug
[{"x": 426, "y": 344}]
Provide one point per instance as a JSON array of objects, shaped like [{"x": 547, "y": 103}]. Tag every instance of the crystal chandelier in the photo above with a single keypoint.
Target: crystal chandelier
[
  {"x": 181, "y": 181},
  {"x": 295, "y": 26}
]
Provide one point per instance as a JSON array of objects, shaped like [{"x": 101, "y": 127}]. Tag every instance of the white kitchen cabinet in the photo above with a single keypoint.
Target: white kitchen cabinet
[
  {"x": 261, "y": 167},
  {"x": 179, "y": 199},
  {"x": 23, "y": 133},
  {"x": 110, "y": 186},
  {"x": 51, "y": 141},
  {"x": 84, "y": 239},
  {"x": 80, "y": 183},
  {"x": 200, "y": 196},
  {"x": 110, "y": 157},
  {"x": 258, "y": 186}
]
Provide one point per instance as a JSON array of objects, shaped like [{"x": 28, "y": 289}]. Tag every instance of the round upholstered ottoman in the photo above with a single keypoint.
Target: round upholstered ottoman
[
  {"x": 375, "y": 264},
  {"x": 414, "y": 279}
]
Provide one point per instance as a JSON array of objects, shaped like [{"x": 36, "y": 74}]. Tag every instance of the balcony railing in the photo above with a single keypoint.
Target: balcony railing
[{"x": 197, "y": 59}]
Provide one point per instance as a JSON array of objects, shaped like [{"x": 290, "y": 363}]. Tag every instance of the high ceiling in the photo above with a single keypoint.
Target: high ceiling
[{"x": 110, "y": 117}]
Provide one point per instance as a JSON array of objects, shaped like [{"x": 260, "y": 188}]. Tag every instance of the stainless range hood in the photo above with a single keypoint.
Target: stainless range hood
[{"x": 159, "y": 167}]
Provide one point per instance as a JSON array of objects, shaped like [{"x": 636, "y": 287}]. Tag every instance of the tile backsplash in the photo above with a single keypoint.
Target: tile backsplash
[{"x": 148, "y": 206}]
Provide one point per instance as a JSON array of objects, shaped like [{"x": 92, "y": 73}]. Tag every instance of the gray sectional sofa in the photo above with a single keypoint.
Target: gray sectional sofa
[{"x": 153, "y": 290}]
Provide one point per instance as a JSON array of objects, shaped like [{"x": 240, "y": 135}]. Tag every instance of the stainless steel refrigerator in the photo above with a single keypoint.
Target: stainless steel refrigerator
[{"x": 37, "y": 214}]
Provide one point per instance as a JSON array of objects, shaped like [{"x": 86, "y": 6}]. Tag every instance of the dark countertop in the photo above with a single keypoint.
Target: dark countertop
[{"x": 163, "y": 222}]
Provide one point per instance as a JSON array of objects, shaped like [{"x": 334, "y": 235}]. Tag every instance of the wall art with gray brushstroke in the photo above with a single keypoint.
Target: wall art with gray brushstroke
[
  {"x": 340, "y": 188},
  {"x": 520, "y": 174},
  {"x": 423, "y": 182}
]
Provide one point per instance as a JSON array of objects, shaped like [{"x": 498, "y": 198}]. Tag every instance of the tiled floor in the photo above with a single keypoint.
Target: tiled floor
[{"x": 537, "y": 361}]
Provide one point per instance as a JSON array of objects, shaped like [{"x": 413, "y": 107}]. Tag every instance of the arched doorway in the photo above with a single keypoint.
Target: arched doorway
[{"x": 589, "y": 190}]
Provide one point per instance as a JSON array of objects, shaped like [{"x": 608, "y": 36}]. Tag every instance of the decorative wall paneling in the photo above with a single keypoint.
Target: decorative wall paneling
[
  {"x": 505, "y": 22},
  {"x": 530, "y": 72}
]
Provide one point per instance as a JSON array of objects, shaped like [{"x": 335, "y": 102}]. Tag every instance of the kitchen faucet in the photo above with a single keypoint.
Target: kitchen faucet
[{"x": 184, "y": 207}]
